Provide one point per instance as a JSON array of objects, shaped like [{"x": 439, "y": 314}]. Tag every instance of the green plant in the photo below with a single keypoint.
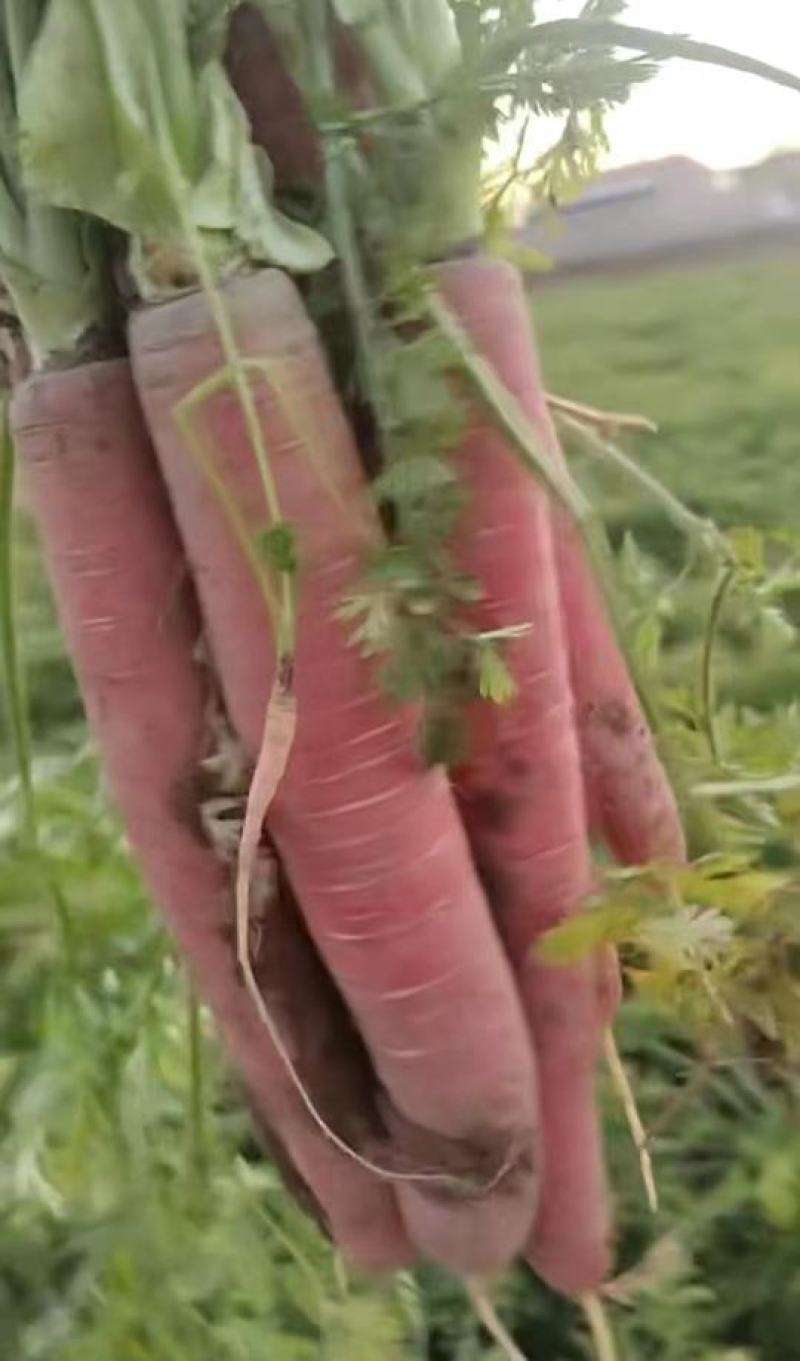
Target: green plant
[{"x": 112, "y": 1171}]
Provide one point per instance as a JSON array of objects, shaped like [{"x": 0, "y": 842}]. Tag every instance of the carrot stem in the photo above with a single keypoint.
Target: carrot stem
[
  {"x": 734, "y": 789},
  {"x": 9, "y": 648},
  {"x": 624, "y": 1090},
  {"x": 342, "y": 226},
  {"x": 603, "y": 420},
  {"x": 596, "y": 1317},
  {"x": 708, "y": 701},
  {"x": 297, "y": 1255},
  {"x": 513, "y": 422},
  {"x": 244, "y": 392},
  {"x": 205, "y": 462},
  {"x": 491, "y": 1321},
  {"x": 198, "y": 1141},
  {"x": 700, "y": 531}
]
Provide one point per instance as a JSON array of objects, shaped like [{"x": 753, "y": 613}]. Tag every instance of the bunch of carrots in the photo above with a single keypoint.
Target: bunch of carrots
[{"x": 191, "y": 200}]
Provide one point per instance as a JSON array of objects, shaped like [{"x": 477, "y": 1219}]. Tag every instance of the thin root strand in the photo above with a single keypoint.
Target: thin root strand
[
  {"x": 487, "y": 1314},
  {"x": 624, "y": 1090},
  {"x": 605, "y": 1348}
]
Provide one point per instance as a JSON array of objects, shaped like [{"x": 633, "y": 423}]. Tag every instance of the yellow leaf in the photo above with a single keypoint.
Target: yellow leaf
[
  {"x": 737, "y": 894},
  {"x": 748, "y": 548},
  {"x": 583, "y": 933}
]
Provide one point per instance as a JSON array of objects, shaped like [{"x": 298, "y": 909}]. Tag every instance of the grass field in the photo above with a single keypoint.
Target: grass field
[
  {"x": 137, "y": 1221},
  {"x": 710, "y": 353}
]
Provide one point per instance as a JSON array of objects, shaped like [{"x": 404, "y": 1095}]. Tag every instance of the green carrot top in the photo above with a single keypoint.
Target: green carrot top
[
  {"x": 126, "y": 113},
  {"x": 49, "y": 259}
]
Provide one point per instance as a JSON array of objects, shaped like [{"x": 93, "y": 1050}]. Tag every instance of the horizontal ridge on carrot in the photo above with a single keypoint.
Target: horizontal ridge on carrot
[{"x": 370, "y": 839}]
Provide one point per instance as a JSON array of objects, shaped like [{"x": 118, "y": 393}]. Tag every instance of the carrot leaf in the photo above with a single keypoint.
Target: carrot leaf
[
  {"x": 278, "y": 546},
  {"x": 49, "y": 260},
  {"x": 152, "y": 120}
]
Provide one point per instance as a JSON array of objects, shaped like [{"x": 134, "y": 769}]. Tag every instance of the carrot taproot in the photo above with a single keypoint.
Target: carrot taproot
[
  {"x": 371, "y": 841},
  {"x": 278, "y": 118},
  {"x": 520, "y": 788},
  {"x": 631, "y": 803},
  {"x": 119, "y": 574}
]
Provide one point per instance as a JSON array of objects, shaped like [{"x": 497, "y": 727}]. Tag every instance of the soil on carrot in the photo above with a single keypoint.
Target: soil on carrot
[
  {"x": 615, "y": 717},
  {"x": 328, "y": 1054},
  {"x": 101, "y": 342},
  {"x": 473, "y": 1164},
  {"x": 334, "y": 1067},
  {"x": 495, "y": 809}
]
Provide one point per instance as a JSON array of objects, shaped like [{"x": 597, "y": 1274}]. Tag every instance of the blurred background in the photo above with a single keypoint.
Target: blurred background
[{"x": 138, "y": 1221}]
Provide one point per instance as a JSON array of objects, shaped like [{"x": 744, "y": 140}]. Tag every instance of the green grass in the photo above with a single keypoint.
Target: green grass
[
  {"x": 112, "y": 1246},
  {"x": 709, "y": 352}
]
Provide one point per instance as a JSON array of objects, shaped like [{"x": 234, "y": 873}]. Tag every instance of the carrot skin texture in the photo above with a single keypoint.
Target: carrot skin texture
[
  {"x": 634, "y": 807},
  {"x": 371, "y": 841},
  {"x": 521, "y": 789},
  {"x": 118, "y": 571},
  {"x": 631, "y": 803}
]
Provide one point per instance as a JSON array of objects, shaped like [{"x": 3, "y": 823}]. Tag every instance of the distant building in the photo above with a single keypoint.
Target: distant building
[{"x": 669, "y": 207}]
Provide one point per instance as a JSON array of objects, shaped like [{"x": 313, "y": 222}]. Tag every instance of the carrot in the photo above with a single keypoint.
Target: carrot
[
  {"x": 371, "y": 841},
  {"x": 520, "y": 789},
  {"x": 633, "y": 806},
  {"x": 274, "y": 105},
  {"x": 118, "y": 570},
  {"x": 631, "y": 803},
  {"x": 278, "y": 117}
]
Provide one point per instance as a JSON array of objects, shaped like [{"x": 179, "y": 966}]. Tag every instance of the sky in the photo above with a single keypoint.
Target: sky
[{"x": 719, "y": 117}]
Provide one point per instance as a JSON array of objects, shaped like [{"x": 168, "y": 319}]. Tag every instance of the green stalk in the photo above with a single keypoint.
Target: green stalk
[
  {"x": 571, "y": 34},
  {"x": 733, "y": 789},
  {"x": 699, "y": 531},
  {"x": 510, "y": 417},
  {"x": 13, "y": 684},
  {"x": 726, "y": 582},
  {"x": 514, "y": 424},
  {"x": 287, "y": 619},
  {"x": 198, "y": 1134},
  {"x": 490, "y": 73},
  {"x": 412, "y": 51},
  {"x": 9, "y": 650},
  {"x": 342, "y": 226}
]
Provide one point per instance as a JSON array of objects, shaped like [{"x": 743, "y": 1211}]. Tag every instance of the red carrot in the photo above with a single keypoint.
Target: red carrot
[
  {"x": 630, "y": 800},
  {"x": 632, "y": 804},
  {"x": 279, "y": 120},
  {"x": 521, "y": 789},
  {"x": 118, "y": 571},
  {"x": 370, "y": 840},
  {"x": 273, "y": 102}
]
